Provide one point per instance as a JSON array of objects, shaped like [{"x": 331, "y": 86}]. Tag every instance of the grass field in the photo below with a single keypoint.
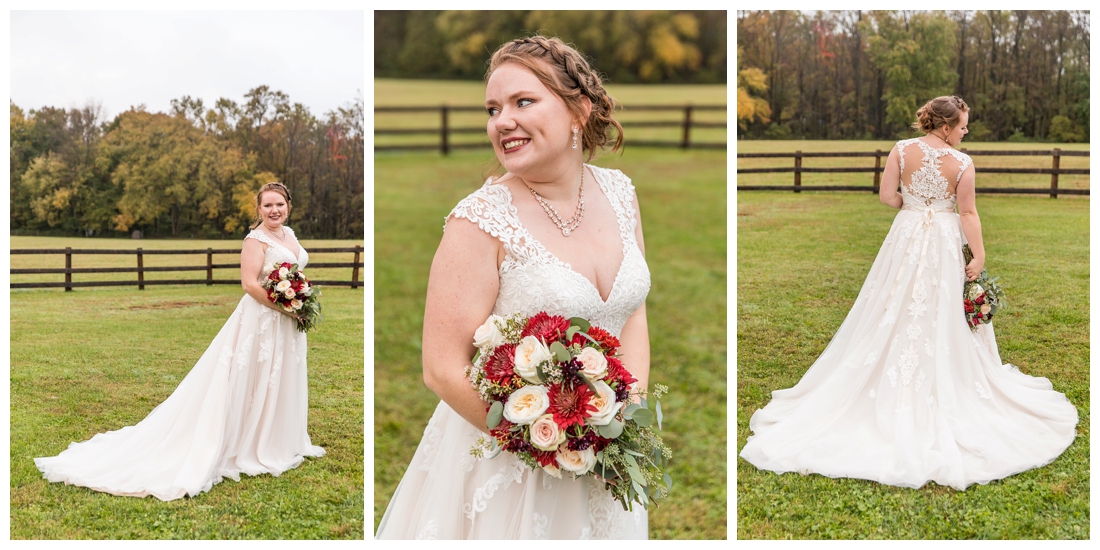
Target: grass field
[
  {"x": 130, "y": 260},
  {"x": 400, "y": 92},
  {"x": 801, "y": 262},
  {"x": 96, "y": 360},
  {"x": 683, "y": 203},
  {"x": 866, "y": 178}
]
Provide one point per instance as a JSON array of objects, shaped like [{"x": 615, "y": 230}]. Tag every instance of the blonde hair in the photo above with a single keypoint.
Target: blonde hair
[
  {"x": 564, "y": 71},
  {"x": 278, "y": 188},
  {"x": 944, "y": 110}
]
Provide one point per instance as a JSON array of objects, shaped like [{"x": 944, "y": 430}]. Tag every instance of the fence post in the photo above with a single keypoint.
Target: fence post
[
  {"x": 1057, "y": 154},
  {"x": 68, "y": 269},
  {"x": 210, "y": 266},
  {"x": 444, "y": 147},
  {"x": 878, "y": 166},
  {"x": 355, "y": 267},
  {"x": 798, "y": 171},
  {"x": 685, "y": 142},
  {"x": 141, "y": 270}
]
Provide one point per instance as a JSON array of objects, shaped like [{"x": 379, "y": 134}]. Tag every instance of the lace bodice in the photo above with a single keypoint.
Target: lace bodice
[
  {"x": 277, "y": 252},
  {"x": 928, "y": 182},
  {"x": 532, "y": 279}
]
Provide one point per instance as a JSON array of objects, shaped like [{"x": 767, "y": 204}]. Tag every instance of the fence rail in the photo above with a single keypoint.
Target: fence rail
[
  {"x": 798, "y": 170},
  {"x": 356, "y": 264},
  {"x": 444, "y": 130}
]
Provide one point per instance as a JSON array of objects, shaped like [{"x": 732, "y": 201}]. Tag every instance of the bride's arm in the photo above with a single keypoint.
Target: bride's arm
[
  {"x": 971, "y": 224},
  {"x": 634, "y": 338},
  {"x": 462, "y": 289},
  {"x": 891, "y": 178},
  {"x": 252, "y": 262}
]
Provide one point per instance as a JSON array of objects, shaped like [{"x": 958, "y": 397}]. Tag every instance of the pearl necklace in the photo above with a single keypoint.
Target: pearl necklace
[{"x": 566, "y": 226}]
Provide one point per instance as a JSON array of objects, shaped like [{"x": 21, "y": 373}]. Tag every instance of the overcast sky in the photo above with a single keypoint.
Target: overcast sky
[{"x": 124, "y": 58}]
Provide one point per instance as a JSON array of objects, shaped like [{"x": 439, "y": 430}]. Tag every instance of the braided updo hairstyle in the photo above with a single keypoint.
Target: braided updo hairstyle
[
  {"x": 947, "y": 109},
  {"x": 564, "y": 71},
  {"x": 278, "y": 188}
]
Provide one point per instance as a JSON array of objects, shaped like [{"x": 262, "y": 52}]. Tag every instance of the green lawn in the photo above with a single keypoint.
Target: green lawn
[
  {"x": 683, "y": 203},
  {"x": 801, "y": 260},
  {"x": 866, "y": 178},
  {"x": 471, "y": 93},
  {"x": 90, "y": 361}
]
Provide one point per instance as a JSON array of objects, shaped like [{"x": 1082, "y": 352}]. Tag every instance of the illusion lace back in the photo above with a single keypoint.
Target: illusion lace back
[
  {"x": 241, "y": 409},
  {"x": 448, "y": 494},
  {"x": 905, "y": 393}
]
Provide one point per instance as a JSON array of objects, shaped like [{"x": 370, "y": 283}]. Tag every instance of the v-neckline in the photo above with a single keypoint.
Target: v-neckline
[
  {"x": 297, "y": 257},
  {"x": 538, "y": 244}
]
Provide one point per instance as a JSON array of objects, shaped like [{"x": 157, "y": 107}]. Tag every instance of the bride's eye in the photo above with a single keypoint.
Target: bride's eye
[
  {"x": 525, "y": 102},
  {"x": 492, "y": 111}
]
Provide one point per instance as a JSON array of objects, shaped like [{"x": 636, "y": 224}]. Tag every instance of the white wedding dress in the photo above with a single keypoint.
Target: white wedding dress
[
  {"x": 448, "y": 494},
  {"x": 905, "y": 393},
  {"x": 241, "y": 409}
]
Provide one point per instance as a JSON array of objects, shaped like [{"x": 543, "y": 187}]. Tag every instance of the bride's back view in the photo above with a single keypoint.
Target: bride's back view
[{"x": 906, "y": 393}]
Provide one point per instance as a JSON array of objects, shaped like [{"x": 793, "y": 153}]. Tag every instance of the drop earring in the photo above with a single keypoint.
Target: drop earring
[{"x": 574, "y": 137}]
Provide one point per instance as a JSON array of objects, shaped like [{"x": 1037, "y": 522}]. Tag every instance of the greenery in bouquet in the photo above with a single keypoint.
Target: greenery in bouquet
[{"x": 561, "y": 400}]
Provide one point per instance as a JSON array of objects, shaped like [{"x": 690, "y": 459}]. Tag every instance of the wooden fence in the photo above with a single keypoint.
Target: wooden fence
[
  {"x": 879, "y": 155},
  {"x": 444, "y": 130},
  {"x": 356, "y": 264}
]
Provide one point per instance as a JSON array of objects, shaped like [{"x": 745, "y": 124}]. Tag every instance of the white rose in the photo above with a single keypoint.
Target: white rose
[
  {"x": 529, "y": 354},
  {"x": 595, "y": 364},
  {"x": 545, "y": 433},
  {"x": 296, "y": 304},
  {"x": 605, "y": 404},
  {"x": 283, "y": 285},
  {"x": 578, "y": 462},
  {"x": 526, "y": 404},
  {"x": 985, "y": 308},
  {"x": 307, "y": 290},
  {"x": 552, "y": 470},
  {"x": 283, "y": 272},
  {"x": 289, "y": 294},
  {"x": 488, "y": 334},
  {"x": 287, "y": 309}
]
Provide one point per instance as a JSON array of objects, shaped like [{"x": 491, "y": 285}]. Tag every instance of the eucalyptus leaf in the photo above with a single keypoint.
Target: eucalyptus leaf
[
  {"x": 571, "y": 332},
  {"x": 629, "y": 410},
  {"x": 643, "y": 417},
  {"x": 630, "y": 461},
  {"x": 560, "y": 352},
  {"x": 633, "y": 452},
  {"x": 580, "y": 323},
  {"x": 645, "y": 405},
  {"x": 496, "y": 412},
  {"x": 636, "y": 475},
  {"x": 660, "y": 416},
  {"x": 588, "y": 383},
  {"x": 611, "y": 430},
  {"x": 541, "y": 373},
  {"x": 668, "y": 483},
  {"x": 641, "y": 493},
  {"x": 476, "y": 355}
]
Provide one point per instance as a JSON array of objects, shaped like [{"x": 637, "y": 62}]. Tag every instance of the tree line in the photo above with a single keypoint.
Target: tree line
[
  {"x": 862, "y": 75},
  {"x": 191, "y": 172},
  {"x": 627, "y": 46}
]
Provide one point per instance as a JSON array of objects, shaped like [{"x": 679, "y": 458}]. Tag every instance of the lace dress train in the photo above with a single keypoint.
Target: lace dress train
[
  {"x": 241, "y": 409},
  {"x": 448, "y": 494},
  {"x": 905, "y": 393}
]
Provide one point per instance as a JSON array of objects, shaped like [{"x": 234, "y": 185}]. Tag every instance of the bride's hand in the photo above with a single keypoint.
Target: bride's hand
[{"x": 974, "y": 269}]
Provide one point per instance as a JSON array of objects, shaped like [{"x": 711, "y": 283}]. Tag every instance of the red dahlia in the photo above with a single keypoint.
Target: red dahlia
[
  {"x": 499, "y": 366},
  {"x": 570, "y": 405},
  {"x": 546, "y": 327},
  {"x": 968, "y": 306},
  {"x": 604, "y": 338},
  {"x": 545, "y": 458},
  {"x": 616, "y": 371}
]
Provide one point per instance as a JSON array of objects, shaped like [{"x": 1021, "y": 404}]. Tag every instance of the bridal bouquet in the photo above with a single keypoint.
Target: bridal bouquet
[
  {"x": 561, "y": 400},
  {"x": 288, "y": 288},
  {"x": 981, "y": 297}
]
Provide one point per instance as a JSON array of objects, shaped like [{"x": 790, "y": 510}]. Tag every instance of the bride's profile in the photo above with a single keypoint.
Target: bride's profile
[
  {"x": 553, "y": 234},
  {"x": 906, "y": 393},
  {"x": 241, "y": 409}
]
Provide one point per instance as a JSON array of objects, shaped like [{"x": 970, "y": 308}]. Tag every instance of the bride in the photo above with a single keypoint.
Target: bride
[
  {"x": 905, "y": 393},
  {"x": 513, "y": 247},
  {"x": 241, "y": 409}
]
